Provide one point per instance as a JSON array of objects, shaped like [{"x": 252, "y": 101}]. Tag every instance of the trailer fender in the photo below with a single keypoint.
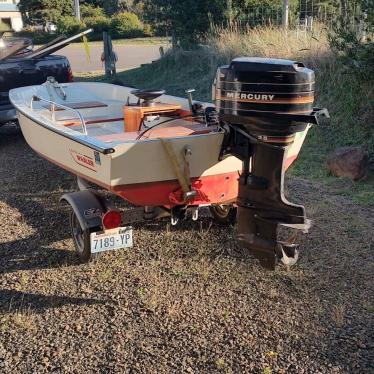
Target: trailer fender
[{"x": 88, "y": 206}]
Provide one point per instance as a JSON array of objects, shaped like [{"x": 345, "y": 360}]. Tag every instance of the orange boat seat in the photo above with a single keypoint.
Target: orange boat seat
[
  {"x": 164, "y": 132},
  {"x": 89, "y": 120}
]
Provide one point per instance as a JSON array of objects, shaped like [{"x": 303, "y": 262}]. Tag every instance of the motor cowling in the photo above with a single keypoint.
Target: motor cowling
[
  {"x": 263, "y": 104},
  {"x": 265, "y": 86}
]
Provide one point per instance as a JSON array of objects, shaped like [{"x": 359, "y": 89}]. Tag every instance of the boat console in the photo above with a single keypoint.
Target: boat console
[{"x": 134, "y": 114}]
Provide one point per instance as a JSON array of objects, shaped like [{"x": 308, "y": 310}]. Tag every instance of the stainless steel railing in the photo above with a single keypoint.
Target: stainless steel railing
[{"x": 52, "y": 109}]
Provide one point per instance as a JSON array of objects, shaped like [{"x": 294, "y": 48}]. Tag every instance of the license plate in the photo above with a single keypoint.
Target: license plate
[{"x": 109, "y": 240}]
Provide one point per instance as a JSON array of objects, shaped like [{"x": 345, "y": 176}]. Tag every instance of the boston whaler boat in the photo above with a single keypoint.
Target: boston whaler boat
[{"x": 170, "y": 155}]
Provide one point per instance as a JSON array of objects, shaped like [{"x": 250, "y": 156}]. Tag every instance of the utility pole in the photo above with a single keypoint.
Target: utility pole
[
  {"x": 286, "y": 8},
  {"x": 77, "y": 10}
]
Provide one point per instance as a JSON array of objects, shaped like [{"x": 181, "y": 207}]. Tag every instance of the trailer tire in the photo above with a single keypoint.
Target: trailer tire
[
  {"x": 224, "y": 214},
  {"x": 81, "y": 239}
]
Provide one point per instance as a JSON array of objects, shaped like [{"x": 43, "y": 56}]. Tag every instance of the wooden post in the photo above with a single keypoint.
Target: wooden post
[
  {"x": 109, "y": 56},
  {"x": 174, "y": 42},
  {"x": 309, "y": 23},
  {"x": 286, "y": 8}
]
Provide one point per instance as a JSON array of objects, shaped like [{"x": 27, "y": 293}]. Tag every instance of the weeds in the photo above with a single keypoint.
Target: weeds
[
  {"x": 221, "y": 364},
  {"x": 20, "y": 319},
  {"x": 270, "y": 41},
  {"x": 338, "y": 315},
  {"x": 105, "y": 275},
  {"x": 267, "y": 370}
]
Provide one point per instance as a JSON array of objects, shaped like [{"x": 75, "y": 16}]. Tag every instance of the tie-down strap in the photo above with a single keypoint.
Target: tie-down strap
[{"x": 182, "y": 173}]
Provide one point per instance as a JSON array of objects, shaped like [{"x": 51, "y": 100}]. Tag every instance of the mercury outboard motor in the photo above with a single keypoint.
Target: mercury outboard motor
[{"x": 267, "y": 107}]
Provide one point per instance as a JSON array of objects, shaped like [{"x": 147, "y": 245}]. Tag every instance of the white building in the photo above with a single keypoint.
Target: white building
[{"x": 10, "y": 16}]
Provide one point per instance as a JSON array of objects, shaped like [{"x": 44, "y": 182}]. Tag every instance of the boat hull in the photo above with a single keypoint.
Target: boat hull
[{"x": 142, "y": 172}]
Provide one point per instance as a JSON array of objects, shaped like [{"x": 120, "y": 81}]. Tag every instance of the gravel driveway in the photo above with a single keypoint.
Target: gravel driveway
[{"x": 181, "y": 301}]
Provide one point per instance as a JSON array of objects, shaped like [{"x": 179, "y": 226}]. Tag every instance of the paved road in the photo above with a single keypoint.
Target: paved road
[{"x": 129, "y": 56}]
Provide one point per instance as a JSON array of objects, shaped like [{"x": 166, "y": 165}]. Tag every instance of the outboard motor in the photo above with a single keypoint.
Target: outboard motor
[{"x": 267, "y": 107}]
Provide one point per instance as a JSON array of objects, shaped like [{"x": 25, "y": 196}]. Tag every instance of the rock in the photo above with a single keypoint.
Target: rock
[{"x": 349, "y": 162}]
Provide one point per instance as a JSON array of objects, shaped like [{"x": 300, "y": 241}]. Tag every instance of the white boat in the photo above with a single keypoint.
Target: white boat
[{"x": 83, "y": 131}]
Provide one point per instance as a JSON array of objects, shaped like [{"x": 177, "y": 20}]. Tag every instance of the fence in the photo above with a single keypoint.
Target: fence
[{"x": 305, "y": 14}]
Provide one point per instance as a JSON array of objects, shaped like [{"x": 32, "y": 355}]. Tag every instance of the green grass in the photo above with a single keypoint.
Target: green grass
[{"x": 348, "y": 96}]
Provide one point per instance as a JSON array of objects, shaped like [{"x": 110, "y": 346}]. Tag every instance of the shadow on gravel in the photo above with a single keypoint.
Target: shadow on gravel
[
  {"x": 12, "y": 300},
  {"x": 35, "y": 251},
  {"x": 18, "y": 255},
  {"x": 10, "y": 132}
]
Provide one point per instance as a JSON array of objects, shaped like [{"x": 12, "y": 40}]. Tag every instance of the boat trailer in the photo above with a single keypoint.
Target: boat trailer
[{"x": 263, "y": 106}]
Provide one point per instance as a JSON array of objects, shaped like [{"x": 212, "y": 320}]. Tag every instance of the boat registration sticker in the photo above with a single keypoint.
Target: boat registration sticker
[{"x": 109, "y": 240}]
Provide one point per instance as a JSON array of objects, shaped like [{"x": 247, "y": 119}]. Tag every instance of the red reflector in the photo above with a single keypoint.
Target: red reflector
[
  {"x": 70, "y": 75},
  {"x": 112, "y": 219}
]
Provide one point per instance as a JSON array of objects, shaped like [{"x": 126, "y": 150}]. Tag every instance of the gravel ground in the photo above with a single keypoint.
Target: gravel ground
[{"x": 184, "y": 300}]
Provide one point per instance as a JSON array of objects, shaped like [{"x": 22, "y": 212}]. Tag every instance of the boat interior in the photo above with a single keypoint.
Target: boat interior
[{"x": 114, "y": 114}]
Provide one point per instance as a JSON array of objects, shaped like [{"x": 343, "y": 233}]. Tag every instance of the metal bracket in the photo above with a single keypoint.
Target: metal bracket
[
  {"x": 195, "y": 213},
  {"x": 82, "y": 184},
  {"x": 51, "y": 82},
  {"x": 190, "y": 100},
  {"x": 174, "y": 220}
]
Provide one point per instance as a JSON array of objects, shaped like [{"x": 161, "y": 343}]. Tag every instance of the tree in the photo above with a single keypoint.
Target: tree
[
  {"x": 95, "y": 3},
  {"x": 352, "y": 33},
  {"x": 186, "y": 20},
  {"x": 41, "y": 11},
  {"x": 88, "y": 10}
]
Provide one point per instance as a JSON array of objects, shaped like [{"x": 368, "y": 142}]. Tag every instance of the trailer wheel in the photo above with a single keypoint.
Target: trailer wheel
[
  {"x": 223, "y": 214},
  {"x": 81, "y": 239}
]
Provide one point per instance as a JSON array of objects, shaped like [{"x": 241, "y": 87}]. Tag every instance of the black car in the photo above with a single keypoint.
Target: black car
[{"x": 20, "y": 66}]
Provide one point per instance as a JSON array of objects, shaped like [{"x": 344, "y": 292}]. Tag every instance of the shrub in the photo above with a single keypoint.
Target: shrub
[
  {"x": 98, "y": 24},
  {"x": 347, "y": 36},
  {"x": 69, "y": 25},
  {"x": 148, "y": 30},
  {"x": 126, "y": 25}
]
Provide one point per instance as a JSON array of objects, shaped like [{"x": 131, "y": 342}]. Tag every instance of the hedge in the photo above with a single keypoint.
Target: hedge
[
  {"x": 121, "y": 25},
  {"x": 126, "y": 25}
]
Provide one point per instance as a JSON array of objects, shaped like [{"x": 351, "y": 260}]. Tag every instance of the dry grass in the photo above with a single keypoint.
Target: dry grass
[
  {"x": 18, "y": 319},
  {"x": 338, "y": 315},
  {"x": 273, "y": 42}
]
